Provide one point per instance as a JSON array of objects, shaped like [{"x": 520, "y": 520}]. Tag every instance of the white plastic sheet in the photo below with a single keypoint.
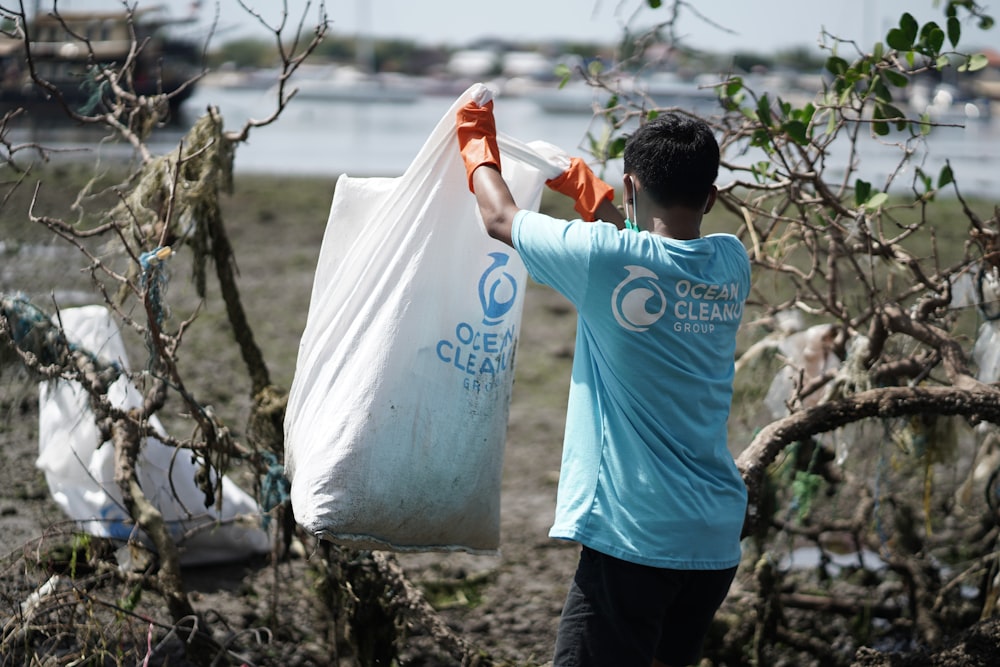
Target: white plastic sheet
[
  {"x": 987, "y": 348},
  {"x": 808, "y": 354},
  {"x": 79, "y": 467},
  {"x": 397, "y": 415}
]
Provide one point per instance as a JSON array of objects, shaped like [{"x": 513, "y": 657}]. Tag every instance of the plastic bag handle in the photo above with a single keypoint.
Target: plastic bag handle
[{"x": 524, "y": 153}]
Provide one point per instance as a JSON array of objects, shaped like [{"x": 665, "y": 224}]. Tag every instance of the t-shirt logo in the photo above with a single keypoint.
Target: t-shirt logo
[{"x": 638, "y": 302}]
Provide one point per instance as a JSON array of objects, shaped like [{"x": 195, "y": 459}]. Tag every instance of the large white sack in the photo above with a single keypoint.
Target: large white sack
[
  {"x": 397, "y": 415},
  {"x": 79, "y": 467}
]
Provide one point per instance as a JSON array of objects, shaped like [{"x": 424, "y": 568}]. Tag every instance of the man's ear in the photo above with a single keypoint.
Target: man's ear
[
  {"x": 628, "y": 183},
  {"x": 712, "y": 196}
]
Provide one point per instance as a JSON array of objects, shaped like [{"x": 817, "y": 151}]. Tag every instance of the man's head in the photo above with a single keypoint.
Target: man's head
[{"x": 676, "y": 158}]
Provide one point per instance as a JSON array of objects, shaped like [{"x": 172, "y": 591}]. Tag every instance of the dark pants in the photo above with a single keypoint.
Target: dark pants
[{"x": 619, "y": 614}]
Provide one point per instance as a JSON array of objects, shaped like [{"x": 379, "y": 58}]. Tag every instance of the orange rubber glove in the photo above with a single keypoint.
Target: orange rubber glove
[
  {"x": 477, "y": 137},
  {"x": 584, "y": 187}
]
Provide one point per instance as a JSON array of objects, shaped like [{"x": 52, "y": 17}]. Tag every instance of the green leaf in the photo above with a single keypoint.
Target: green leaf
[
  {"x": 909, "y": 26},
  {"x": 862, "y": 191},
  {"x": 902, "y": 38},
  {"x": 761, "y": 139},
  {"x": 876, "y": 201},
  {"x": 654, "y": 4},
  {"x": 732, "y": 103},
  {"x": 805, "y": 114},
  {"x": 976, "y": 62},
  {"x": 761, "y": 171},
  {"x": 935, "y": 40},
  {"x": 882, "y": 93},
  {"x": 933, "y": 37},
  {"x": 564, "y": 73},
  {"x": 925, "y": 124},
  {"x": 942, "y": 62},
  {"x": 845, "y": 95},
  {"x": 897, "y": 79},
  {"x": 764, "y": 110},
  {"x": 879, "y": 126},
  {"x": 895, "y": 114},
  {"x": 831, "y": 124},
  {"x": 896, "y": 39},
  {"x": 924, "y": 178},
  {"x": 616, "y": 148},
  {"x": 954, "y": 30},
  {"x": 796, "y": 130},
  {"x": 836, "y": 65},
  {"x": 595, "y": 67},
  {"x": 946, "y": 176}
]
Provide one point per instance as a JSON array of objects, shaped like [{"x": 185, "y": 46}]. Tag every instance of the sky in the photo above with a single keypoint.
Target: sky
[{"x": 739, "y": 25}]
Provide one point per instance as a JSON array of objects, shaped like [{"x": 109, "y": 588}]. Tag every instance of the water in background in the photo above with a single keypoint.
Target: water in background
[
  {"x": 363, "y": 139},
  {"x": 315, "y": 137}
]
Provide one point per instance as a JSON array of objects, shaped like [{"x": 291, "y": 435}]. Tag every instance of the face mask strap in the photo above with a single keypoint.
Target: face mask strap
[{"x": 629, "y": 224}]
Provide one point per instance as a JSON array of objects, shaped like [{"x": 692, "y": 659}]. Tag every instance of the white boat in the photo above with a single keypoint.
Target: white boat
[
  {"x": 576, "y": 97},
  {"x": 658, "y": 90},
  {"x": 943, "y": 104},
  {"x": 348, "y": 84},
  {"x": 670, "y": 90}
]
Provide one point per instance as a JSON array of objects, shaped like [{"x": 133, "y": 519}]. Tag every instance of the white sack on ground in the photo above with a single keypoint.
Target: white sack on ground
[
  {"x": 987, "y": 348},
  {"x": 79, "y": 467},
  {"x": 397, "y": 415}
]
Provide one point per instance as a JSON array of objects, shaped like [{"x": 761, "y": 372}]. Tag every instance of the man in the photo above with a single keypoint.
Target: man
[{"x": 647, "y": 484}]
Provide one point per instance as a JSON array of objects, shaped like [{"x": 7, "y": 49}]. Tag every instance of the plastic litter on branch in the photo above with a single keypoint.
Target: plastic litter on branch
[
  {"x": 986, "y": 351},
  {"x": 980, "y": 288}
]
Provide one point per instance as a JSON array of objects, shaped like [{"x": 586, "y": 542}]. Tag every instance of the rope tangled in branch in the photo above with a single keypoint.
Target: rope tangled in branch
[
  {"x": 31, "y": 329},
  {"x": 96, "y": 89},
  {"x": 36, "y": 333},
  {"x": 175, "y": 198},
  {"x": 275, "y": 487},
  {"x": 154, "y": 279}
]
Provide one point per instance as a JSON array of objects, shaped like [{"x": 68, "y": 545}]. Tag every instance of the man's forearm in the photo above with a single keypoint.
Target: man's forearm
[{"x": 496, "y": 204}]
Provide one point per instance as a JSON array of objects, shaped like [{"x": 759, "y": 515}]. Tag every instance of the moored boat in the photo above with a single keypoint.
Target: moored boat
[
  {"x": 349, "y": 84},
  {"x": 66, "y": 49}
]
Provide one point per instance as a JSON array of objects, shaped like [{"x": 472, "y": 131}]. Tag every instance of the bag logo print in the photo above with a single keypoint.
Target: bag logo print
[
  {"x": 483, "y": 353},
  {"x": 631, "y": 299},
  {"x": 490, "y": 283}
]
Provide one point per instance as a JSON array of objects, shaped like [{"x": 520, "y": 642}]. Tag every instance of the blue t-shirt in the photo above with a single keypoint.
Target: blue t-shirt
[{"x": 646, "y": 473}]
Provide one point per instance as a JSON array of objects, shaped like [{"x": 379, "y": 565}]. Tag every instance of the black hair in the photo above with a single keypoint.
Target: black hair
[{"x": 676, "y": 158}]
